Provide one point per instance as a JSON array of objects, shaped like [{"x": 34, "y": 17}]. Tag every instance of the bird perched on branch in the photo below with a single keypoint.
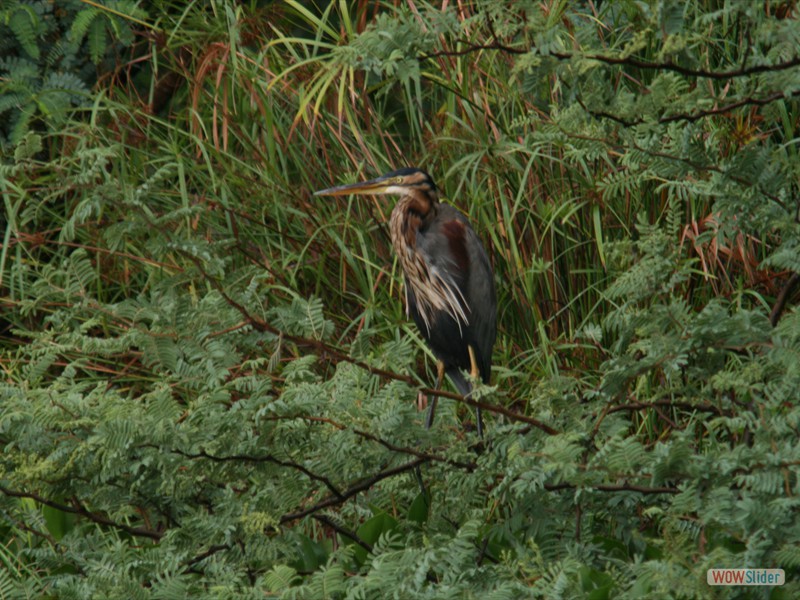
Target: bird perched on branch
[{"x": 449, "y": 283}]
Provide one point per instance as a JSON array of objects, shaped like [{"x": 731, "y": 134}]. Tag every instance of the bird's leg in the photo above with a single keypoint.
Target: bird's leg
[
  {"x": 473, "y": 363},
  {"x": 428, "y": 423},
  {"x": 475, "y": 374},
  {"x": 432, "y": 407}
]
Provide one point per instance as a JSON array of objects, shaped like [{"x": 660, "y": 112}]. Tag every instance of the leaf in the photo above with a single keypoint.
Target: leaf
[
  {"x": 24, "y": 23},
  {"x": 28, "y": 147},
  {"x": 311, "y": 554},
  {"x": 281, "y": 578},
  {"x": 420, "y": 506},
  {"x": 97, "y": 39},
  {"x": 58, "y": 522},
  {"x": 596, "y": 584},
  {"x": 370, "y": 531},
  {"x": 81, "y": 23}
]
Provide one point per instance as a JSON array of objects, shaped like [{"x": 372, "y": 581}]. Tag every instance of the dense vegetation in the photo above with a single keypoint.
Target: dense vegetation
[{"x": 210, "y": 387}]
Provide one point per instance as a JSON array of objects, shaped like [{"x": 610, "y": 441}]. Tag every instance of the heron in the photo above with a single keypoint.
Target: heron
[{"x": 449, "y": 284}]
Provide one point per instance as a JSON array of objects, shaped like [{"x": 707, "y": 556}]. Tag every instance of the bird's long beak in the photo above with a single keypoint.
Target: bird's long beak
[{"x": 374, "y": 186}]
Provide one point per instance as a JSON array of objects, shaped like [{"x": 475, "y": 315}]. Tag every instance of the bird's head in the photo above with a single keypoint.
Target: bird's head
[{"x": 403, "y": 182}]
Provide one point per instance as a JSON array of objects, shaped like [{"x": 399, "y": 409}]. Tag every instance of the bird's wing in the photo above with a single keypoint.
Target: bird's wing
[
  {"x": 442, "y": 246},
  {"x": 456, "y": 255}
]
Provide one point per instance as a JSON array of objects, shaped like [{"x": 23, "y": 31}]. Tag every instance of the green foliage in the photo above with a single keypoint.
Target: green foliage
[
  {"x": 209, "y": 385},
  {"x": 50, "y": 56}
]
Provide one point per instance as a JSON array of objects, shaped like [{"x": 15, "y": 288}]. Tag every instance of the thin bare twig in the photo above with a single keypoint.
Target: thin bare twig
[
  {"x": 627, "y": 61},
  {"x": 78, "y": 509},
  {"x": 353, "y": 490},
  {"x": 264, "y": 458},
  {"x": 622, "y": 487},
  {"x": 343, "y": 531}
]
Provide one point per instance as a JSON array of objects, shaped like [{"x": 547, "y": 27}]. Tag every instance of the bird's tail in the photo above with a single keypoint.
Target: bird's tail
[
  {"x": 464, "y": 388},
  {"x": 457, "y": 377}
]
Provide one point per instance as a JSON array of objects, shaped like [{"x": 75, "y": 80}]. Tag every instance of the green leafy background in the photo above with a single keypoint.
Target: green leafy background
[{"x": 209, "y": 385}]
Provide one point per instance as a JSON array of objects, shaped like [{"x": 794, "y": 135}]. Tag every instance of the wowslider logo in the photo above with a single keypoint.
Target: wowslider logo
[{"x": 745, "y": 577}]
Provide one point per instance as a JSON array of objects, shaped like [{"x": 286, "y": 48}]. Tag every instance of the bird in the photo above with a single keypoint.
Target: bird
[{"x": 449, "y": 283}]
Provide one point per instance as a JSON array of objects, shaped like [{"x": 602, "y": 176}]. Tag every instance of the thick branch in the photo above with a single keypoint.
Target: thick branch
[{"x": 783, "y": 298}]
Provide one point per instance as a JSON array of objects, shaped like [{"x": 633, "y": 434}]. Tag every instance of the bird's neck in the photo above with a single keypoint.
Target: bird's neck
[{"x": 410, "y": 212}]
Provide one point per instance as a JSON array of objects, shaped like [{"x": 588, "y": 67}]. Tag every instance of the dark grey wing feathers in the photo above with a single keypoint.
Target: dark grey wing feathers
[{"x": 469, "y": 270}]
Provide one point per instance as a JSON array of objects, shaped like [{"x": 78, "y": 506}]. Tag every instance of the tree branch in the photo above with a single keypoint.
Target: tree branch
[
  {"x": 623, "y": 487},
  {"x": 264, "y": 458},
  {"x": 343, "y": 531},
  {"x": 355, "y": 489},
  {"x": 212, "y": 550},
  {"x": 78, "y": 509},
  {"x": 692, "y": 117},
  {"x": 467, "y": 466},
  {"x": 705, "y": 407},
  {"x": 749, "y": 101},
  {"x": 323, "y": 348},
  {"x": 686, "y": 71},
  {"x": 627, "y": 61},
  {"x": 783, "y": 299}
]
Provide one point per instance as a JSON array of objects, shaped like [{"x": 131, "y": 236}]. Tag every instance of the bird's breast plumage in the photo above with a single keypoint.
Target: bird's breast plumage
[{"x": 433, "y": 279}]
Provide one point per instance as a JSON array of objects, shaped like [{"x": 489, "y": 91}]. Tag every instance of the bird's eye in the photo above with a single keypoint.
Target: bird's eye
[{"x": 398, "y": 180}]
